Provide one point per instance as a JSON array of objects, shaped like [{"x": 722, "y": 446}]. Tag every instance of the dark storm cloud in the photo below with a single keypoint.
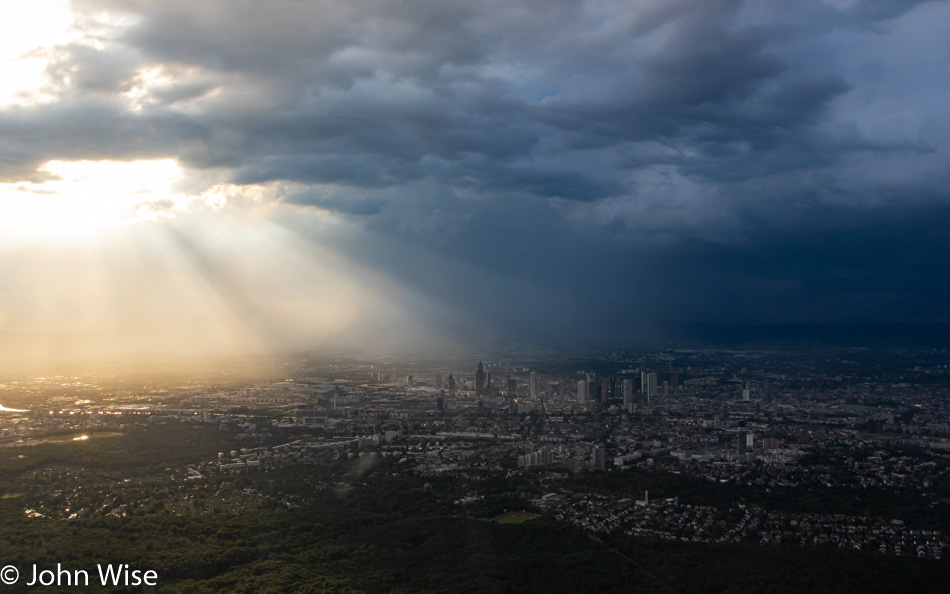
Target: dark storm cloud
[
  {"x": 85, "y": 69},
  {"x": 345, "y": 204},
  {"x": 887, "y": 266},
  {"x": 595, "y": 156},
  {"x": 879, "y": 10},
  {"x": 86, "y": 128},
  {"x": 311, "y": 89}
]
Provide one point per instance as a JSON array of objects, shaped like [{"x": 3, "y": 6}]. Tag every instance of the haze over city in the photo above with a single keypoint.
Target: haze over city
[{"x": 222, "y": 178}]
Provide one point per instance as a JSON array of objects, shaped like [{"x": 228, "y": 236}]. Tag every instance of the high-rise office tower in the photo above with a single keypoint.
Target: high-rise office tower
[
  {"x": 533, "y": 384},
  {"x": 582, "y": 392},
  {"x": 627, "y": 394},
  {"x": 743, "y": 442},
  {"x": 597, "y": 458},
  {"x": 480, "y": 380},
  {"x": 512, "y": 387},
  {"x": 451, "y": 386},
  {"x": 648, "y": 386}
]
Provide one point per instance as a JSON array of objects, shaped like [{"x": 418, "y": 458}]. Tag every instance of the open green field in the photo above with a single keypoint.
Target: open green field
[
  {"x": 82, "y": 436},
  {"x": 69, "y": 438},
  {"x": 514, "y": 518}
]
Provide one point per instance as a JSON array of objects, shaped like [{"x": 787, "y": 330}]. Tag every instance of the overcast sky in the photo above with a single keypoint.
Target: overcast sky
[{"x": 509, "y": 169}]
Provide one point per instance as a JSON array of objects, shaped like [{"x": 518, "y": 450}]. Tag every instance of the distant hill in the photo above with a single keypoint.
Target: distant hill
[{"x": 924, "y": 335}]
